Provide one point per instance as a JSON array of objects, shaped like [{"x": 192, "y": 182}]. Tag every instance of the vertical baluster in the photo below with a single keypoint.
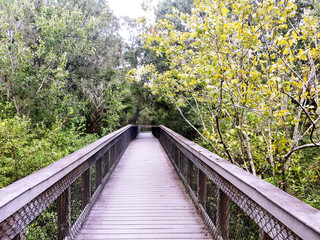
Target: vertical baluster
[
  {"x": 21, "y": 235},
  {"x": 120, "y": 147},
  {"x": 189, "y": 172},
  {"x": 180, "y": 162},
  {"x": 111, "y": 156},
  {"x": 171, "y": 146},
  {"x": 202, "y": 188},
  {"x": 64, "y": 214},
  {"x": 176, "y": 155},
  {"x": 107, "y": 162},
  {"x": 263, "y": 235},
  {"x": 115, "y": 148},
  {"x": 178, "y": 158},
  {"x": 223, "y": 214},
  {"x": 117, "y": 151},
  {"x": 183, "y": 164},
  {"x": 86, "y": 188},
  {"x": 98, "y": 174}
]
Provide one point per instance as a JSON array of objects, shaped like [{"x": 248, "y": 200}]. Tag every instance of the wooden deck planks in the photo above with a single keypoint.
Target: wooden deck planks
[{"x": 144, "y": 199}]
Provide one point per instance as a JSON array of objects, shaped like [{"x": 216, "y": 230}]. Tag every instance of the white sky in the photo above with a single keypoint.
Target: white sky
[{"x": 132, "y": 9}]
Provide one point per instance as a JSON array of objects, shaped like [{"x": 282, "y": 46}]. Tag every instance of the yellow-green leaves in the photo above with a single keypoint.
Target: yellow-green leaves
[
  {"x": 247, "y": 65},
  {"x": 224, "y": 11},
  {"x": 294, "y": 35}
]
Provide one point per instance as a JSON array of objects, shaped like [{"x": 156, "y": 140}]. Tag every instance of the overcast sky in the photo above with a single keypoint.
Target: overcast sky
[{"x": 131, "y": 8}]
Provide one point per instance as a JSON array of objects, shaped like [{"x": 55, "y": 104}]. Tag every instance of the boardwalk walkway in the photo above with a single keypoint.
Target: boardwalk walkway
[{"x": 144, "y": 199}]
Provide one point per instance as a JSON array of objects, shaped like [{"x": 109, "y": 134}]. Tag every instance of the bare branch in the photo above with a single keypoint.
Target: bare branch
[
  {"x": 203, "y": 137},
  {"x": 309, "y": 117},
  {"x": 310, "y": 145}
]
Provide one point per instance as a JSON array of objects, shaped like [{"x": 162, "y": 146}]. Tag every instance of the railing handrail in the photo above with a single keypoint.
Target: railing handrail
[
  {"x": 147, "y": 126},
  {"x": 21, "y": 192},
  {"x": 301, "y": 218}
]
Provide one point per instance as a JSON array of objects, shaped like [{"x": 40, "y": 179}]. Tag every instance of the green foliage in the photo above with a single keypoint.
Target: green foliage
[
  {"x": 58, "y": 59},
  {"x": 25, "y": 149},
  {"x": 244, "y": 76},
  {"x": 241, "y": 226},
  {"x": 165, "y": 7},
  {"x": 45, "y": 225}
]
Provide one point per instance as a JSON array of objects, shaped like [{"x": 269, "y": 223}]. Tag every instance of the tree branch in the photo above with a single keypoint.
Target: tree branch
[
  {"x": 310, "y": 145},
  {"x": 309, "y": 117},
  {"x": 204, "y": 138}
]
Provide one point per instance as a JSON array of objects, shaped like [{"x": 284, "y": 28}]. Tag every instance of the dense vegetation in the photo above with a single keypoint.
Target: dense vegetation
[
  {"x": 239, "y": 77},
  {"x": 60, "y": 82},
  {"x": 245, "y": 75}
]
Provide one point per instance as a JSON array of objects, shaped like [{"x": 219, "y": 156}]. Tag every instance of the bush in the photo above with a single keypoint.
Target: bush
[{"x": 25, "y": 149}]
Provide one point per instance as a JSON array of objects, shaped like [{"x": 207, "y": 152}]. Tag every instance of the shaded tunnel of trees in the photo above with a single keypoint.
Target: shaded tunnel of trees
[{"x": 240, "y": 78}]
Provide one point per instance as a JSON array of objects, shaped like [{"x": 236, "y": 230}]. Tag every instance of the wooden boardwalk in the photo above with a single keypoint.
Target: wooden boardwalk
[{"x": 144, "y": 199}]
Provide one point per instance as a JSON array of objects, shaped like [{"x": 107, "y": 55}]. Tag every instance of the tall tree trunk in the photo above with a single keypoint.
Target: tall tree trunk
[{"x": 135, "y": 117}]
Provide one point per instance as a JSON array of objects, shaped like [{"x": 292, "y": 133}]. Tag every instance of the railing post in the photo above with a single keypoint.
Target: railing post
[
  {"x": 98, "y": 174},
  {"x": 115, "y": 152},
  {"x": 107, "y": 162},
  {"x": 64, "y": 214},
  {"x": 202, "y": 188},
  {"x": 223, "y": 214},
  {"x": 111, "y": 156},
  {"x": 178, "y": 159},
  {"x": 183, "y": 164},
  {"x": 86, "y": 188},
  {"x": 21, "y": 235},
  {"x": 263, "y": 235},
  {"x": 176, "y": 155},
  {"x": 171, "y": 147},
  {"x": 189, "y": 170}
]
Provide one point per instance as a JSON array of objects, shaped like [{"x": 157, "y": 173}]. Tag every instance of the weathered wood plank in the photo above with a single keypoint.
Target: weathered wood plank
[
  {"x": 23, "y": 191},
  {"x": 292, "y": 213},
  {"x": 144, "y": 199},
  {"x": 144, "y": 236}
]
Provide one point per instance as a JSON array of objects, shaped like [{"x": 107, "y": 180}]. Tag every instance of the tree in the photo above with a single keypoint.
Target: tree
[
  {"x": 152, "y": 111},
  {"x": 59, "y": 76},
  {"x": 249, "y": 73},
  {"x": 58, "y": 56},
  {"x": 37, "y": 40}
]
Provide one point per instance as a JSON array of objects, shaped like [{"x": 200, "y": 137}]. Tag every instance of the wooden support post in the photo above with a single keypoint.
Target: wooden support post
[
  {"x": 202, "y": 188},
  {"x": 183, "y": 164},
  {"x": 115, "y": 152},
  {"x": 21, "y": 235},
  {"x": 106, "y": 162},
  {"x": 64, "y": 214},
  {"x": 263, "y": 235},
  {"x": 172, "y": 149},
  {"x": 17, "y": 237},
  {"x": 86, "y": 188},
  {"x": 98, "y": 176},
  {"x": 111, "y": 156},
  {"x": 189, "y": 172},
  {"x": 176, "y": 156},
  {"x": 178, "y": 159},
  {"x": 223, "y": 215},
  {"x": 119, "y": 148}
]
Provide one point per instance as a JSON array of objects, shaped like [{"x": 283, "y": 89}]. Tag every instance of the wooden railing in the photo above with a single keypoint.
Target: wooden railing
[
  {"x": 234, "y": 203},
  {"x": 82, "y": 173}
]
